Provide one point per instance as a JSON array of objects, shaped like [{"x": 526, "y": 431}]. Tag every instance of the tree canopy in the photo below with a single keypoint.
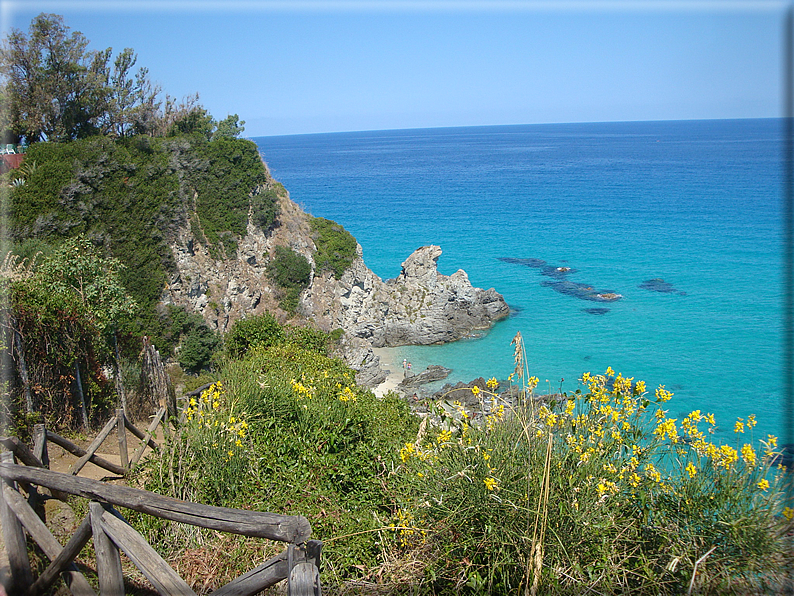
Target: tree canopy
[{"x": 53, "y": 88}]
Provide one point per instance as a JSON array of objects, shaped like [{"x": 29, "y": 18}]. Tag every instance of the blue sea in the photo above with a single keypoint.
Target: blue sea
[{"x": 696, "y": 204}]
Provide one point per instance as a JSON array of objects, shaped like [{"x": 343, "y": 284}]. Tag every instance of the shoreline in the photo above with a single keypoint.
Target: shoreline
[{"x": 390, "y": 363}]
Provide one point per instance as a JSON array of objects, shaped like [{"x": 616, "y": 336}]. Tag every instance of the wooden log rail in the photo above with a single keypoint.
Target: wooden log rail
[
  {"x": 39, "y": 457},
  {"x": 299, "y": 563}
]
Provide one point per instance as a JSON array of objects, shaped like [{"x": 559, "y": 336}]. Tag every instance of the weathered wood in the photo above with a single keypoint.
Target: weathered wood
[
  {"x": 80, "y": 452},
  {"x": 286, "y": 528},
  {"x": 121, "y": 428},
  {"x": 304, "y": 580},
  {"x": 64, "y": 560},
  {"x": 147, "y": 438},
  {"x": 23, "y": 369},
  {"x": 267, "y": 574},
  {"x": 108, "y": 561},
  {"x": 77, "y": 583},
  {"x": 117, "y": 380},
  {"x": 140, "y": 434},
  {"x": 313, "y": 550},
  {"x": 40, "y": 451},
  {"x": 164, "y": 579},
  {"x": 94, "y": 446},
  {"x": 14, "y": 537},
  {"x": 21, "y": 450},
  {"x": 78, "y": 382}
]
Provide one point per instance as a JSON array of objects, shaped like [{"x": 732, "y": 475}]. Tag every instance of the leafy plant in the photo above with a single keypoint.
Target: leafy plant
[
  {"x": 336, "y": 247},
  {"x": 291, "y": 271},
  {"x": 261, "y": 330}
]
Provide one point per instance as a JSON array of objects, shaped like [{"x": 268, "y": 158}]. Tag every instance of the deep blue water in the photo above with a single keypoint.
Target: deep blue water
[{"x": 695, "y": 203}]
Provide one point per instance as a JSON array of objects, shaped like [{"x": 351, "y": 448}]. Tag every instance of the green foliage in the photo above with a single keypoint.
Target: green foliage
[
  {"x": 57, "y": 90},
  {"x": 226, "y": 172},
  {"x": 130, "y": 195},
  {"x": 292, "y": 272},
  {"x": 336, "y": 247},
  {"x": 588, "y": 489},
  {"x": 297, "y": 436},
  {"x": 309, "y": 338},
  {"x": 230, "y": 127},
  {"x": 261, "y": 330},
  {"x": 71, "y": 299}
]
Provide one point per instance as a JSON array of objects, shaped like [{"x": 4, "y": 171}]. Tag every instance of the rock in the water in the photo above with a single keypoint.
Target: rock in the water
[
  {"x": 419, "y": 307},
  {"x": 432, "y": 373},
  {"x": 659, "y": 285}
]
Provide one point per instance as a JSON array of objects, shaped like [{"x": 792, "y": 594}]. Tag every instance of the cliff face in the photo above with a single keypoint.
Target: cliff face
[{"x": 420, "y": 306}]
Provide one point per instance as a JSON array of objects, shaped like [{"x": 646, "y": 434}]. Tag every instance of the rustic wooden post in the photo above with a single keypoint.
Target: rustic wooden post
[
  {"x": 14, "y": 539},
  {"x": 121, "y": 427},
  {"x": 79, "y": 388},
  {"x": 23, "y": 369},
  {"x": 40, "y": 445},
  {"x": 118, "y": 381},
  {"x": 108, "y": 561}
]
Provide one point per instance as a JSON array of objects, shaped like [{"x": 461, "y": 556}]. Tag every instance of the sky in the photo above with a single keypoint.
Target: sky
[{"x": 310, "y": 66}]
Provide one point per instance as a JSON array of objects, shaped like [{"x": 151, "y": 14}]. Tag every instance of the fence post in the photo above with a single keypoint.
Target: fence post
[
  {"x": 121, "y": 427},
  {"x": 40, "y": 445},
  {"x": 14, "y": 538},
  {"x": 108, "y": 560}
]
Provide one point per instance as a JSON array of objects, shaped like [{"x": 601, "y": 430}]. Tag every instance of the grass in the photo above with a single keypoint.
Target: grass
[{"x": 594, "y": 491}]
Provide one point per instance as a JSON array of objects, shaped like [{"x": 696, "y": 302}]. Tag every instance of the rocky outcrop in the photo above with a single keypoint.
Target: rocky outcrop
[{"x": 419, "y": 307}]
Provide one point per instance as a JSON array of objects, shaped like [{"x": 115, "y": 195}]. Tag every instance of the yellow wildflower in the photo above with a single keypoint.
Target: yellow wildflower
[
  {"x": 691, "y": 470},
  {"x": 491, "y": 483},
  {"x": 748, "y": 454},
  {"x": 739, "y": 426},
  {"x": 788, "y": 513},
  {"x": 763, "y": 484},
  {"x": 475, "y": 390}
]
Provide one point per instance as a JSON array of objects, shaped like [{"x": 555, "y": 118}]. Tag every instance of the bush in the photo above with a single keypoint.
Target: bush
[
  {"x": 197, "y": 348},
  {"x": 594, "y": 488},
  {"x": 336, "y": 247},
  {"x": 292, "y": 273},
  {"x": 262, "y": 330},
  {"x": 294, "y": 435}
]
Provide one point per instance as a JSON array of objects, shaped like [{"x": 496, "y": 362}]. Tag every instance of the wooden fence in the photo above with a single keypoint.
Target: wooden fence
[
  {"x": 299, "y": 563},
  {"x": 119, "y": 422}
]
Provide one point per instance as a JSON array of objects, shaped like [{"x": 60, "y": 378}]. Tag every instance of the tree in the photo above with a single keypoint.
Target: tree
[
  {"x": 55, "y": 89},
  {"x": 51, "y": 80},
  {"x": 229, "y": 128}
]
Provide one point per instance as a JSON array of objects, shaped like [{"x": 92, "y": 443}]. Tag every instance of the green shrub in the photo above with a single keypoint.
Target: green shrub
[
  {"x": 597, "y": 488},
  {"x": 291, "y": 271},
  {"x": 261, "y": 330},
  {"x": 336, "y": 247},
  {"x": 294, "y": 435},
  {"x": 197, "y": 348}
]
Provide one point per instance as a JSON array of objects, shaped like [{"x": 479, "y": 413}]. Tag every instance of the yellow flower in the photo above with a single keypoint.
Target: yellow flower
[
  {"x": 751, "y": 421},
  {"x": 691, "y": 470},
  {"x": 771, "y": 441},
  {"x": 492, "y": 383},
  {"x": 739, "y": 426},
  {"x": 788, "y": 513},
  {"x": 763, "y": 484},
  {"x": 475, "y": 390},
  {"x": 231, "y": 453},
  {"x": 748, "y": 454},
  {"x": 662, "y": 395},
  {"x": 491, "y": 483},
  {"x": 609, "y": 371}
]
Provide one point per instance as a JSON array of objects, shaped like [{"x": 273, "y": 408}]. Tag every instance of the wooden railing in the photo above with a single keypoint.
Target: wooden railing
[
  {"x": 299, "y": 563},
  {"x": 119, "y": 422}
]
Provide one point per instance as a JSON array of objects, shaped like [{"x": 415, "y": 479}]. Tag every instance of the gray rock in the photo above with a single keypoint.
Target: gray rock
[{"x": 432, "y": 373}]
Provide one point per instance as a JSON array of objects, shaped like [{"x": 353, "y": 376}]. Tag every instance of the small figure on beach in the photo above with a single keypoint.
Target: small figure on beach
[{"x": 409, "y": 369}]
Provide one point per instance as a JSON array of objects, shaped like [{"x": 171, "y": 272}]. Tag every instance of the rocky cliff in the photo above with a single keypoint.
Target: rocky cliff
[{"x": 420, "y": 306}]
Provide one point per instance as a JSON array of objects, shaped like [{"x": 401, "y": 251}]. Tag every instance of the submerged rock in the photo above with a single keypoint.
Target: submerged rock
[
  {"x": 582, "y": 291},
  {"x": 659, "y": 285},
  {"x": 596, "y": 311}
]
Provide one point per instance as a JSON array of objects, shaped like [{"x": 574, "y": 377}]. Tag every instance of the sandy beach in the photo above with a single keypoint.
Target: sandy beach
[{"x": 391, "y": 362}]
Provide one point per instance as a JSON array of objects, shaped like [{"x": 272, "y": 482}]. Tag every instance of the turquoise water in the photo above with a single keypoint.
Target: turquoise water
[{"x": 696, "y": 203}]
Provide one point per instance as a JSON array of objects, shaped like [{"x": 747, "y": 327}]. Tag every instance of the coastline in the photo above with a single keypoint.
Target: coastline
[{"x": 391, "y": 364}]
